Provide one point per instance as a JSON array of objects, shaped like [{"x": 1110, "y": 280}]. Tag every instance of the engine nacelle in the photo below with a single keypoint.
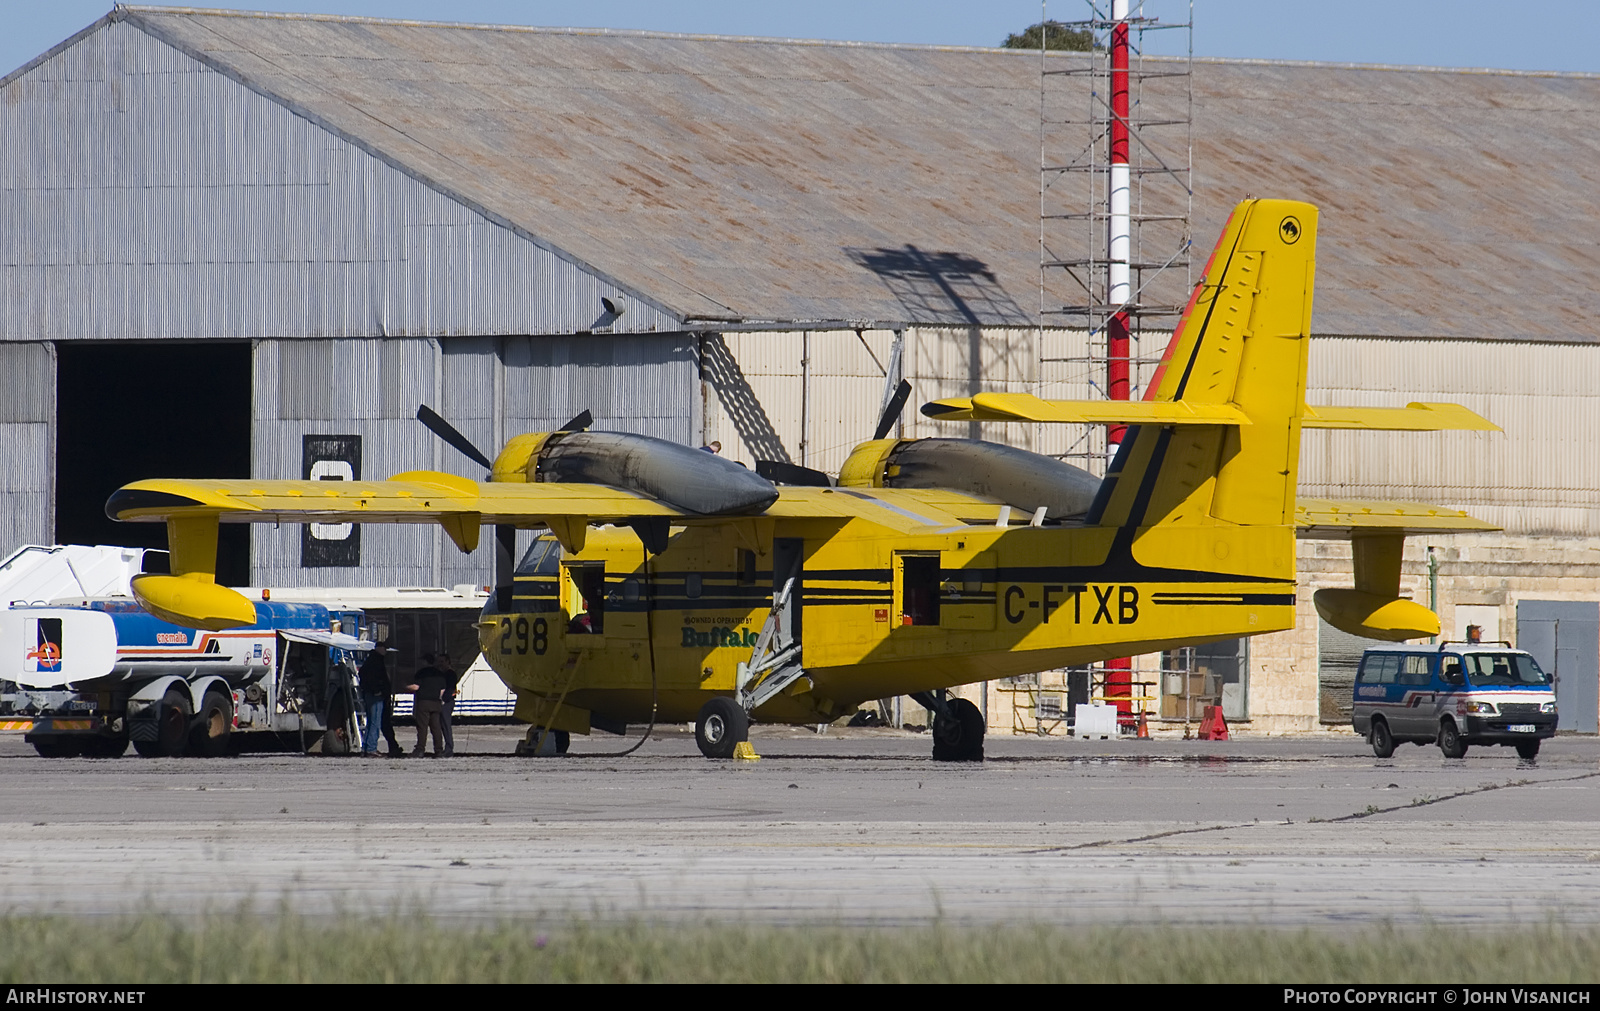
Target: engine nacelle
[
  {"x": 682, "y": 476},
  {"x": 1014, "y": 476}
]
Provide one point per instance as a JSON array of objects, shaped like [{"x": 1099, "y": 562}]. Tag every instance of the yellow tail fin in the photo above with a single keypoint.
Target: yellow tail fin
[{"x": 1241, "y": 344}]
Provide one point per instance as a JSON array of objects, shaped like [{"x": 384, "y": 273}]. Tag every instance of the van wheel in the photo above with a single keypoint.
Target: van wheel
[
  {"x": 1382, "y": 740},
  {"x": 1528, "y": 749},
  {"x": 1450, "y": 741}
]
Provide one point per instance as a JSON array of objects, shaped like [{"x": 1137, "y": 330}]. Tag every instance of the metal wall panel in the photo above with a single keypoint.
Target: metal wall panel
[
  {"x": 27, "y": 445},
  {"x": 643, "y": 384},
  {"x": 468, "y": 397},
  {"x": 488, "y": 387},
  {"x": 146, "y": 196},
  {"x": 354, "y": 374},
  {"x": 1539, "y": 477},
  {"x": 847, "y": 384}
]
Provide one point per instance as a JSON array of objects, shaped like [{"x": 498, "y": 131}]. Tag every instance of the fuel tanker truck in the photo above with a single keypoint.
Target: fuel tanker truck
[{"x": 92, "y": 675}]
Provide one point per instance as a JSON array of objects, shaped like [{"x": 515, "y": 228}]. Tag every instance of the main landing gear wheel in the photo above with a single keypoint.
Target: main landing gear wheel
[
  {"x": 172, "y": 728},
  {"x": 958, "y": 737},
  {"x": 1450, "y": 741},
  {"x": 721, "y": 726},
  {"x": 556, "y": 742},
  {"x": 208, "y": 735},
  {"x": 1528, "y": 749},
  {"x": 1382, "y": 740}
]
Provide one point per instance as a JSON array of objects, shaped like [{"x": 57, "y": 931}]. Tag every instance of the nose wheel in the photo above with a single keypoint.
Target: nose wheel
[{"x": 720, "y": 727}]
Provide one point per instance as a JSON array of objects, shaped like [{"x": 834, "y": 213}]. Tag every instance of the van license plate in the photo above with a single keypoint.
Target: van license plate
[{"x": 1521, "y": 728}]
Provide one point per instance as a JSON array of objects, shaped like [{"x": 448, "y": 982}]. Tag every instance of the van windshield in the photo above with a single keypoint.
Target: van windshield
[{"x": 1503, "y": 669}]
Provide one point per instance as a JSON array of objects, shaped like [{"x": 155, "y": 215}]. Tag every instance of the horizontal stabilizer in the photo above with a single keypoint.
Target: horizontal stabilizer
[
  {"x": 1027, "y": 407},
  {"x": 1416, "y": 417},
  {"x": 1340, "y": 519}
]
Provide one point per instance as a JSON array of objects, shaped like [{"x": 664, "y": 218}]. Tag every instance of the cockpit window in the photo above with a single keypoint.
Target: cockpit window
[
  {"x": 543, "y": 558},
  {"x": 1503, "y": 670}
]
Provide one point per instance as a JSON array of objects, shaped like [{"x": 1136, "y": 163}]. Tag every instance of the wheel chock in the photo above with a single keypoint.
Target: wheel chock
[
  {"x": 745, "y": 752},
  {"x": 1212, "y": 725}
]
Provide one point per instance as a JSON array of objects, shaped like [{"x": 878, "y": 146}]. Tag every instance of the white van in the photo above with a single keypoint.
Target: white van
[{"x": 1453, "y": 694}]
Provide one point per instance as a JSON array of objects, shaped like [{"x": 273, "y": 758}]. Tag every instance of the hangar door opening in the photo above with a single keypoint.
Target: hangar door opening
[{"x": 136, "y": 410}]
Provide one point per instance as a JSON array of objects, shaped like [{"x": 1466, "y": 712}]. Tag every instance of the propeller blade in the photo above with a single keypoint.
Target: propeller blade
[
  {"x": 578, "y": 424},
  {"x": 792, "y": 473},
  {"x": 446, "y": 431},
  {"x": 891, "y": 413}
]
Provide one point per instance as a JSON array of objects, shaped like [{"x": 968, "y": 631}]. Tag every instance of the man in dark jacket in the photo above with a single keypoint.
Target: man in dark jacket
[
  {"x": 376, "y": 690},
  {"x": 431, "y": 683},
  {"x": 453, "y": 683}
]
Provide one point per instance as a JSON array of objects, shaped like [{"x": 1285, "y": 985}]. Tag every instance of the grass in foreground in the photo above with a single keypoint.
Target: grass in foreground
[{"x": 248, "y": 948}]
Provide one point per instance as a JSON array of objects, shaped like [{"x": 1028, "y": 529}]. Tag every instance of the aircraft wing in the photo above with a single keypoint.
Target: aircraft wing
[
  {"x": 1414, "y": 417},
  {"x": 1341, "y": 519},
  {"x": 411, "y": 497},
  {"x": 193, "y": 508},
  {"x": 462, "y": 505}
]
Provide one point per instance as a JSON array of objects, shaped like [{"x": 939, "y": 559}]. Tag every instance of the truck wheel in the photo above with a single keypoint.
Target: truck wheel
[
  {"x": 208, "y": 734},
  {"x": 1450, "y": 741},
  {"x": 719, "y": 728},
  {"x": 1528, "y": 749},
  {"x": 58, "y": 747},
  {"x": 172, "y": 726},
  {"x": 105, "y": 747},
  {"x": 1382, "y": 740},
  {"x": 959, "y": 736}
]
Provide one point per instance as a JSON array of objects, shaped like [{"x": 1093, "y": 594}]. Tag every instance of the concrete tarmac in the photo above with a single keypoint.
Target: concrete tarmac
[{"x": 857, "y": 826}]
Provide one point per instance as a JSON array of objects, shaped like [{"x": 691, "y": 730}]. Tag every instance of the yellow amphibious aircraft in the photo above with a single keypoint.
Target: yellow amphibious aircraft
[{"x": 676, "y": 585}]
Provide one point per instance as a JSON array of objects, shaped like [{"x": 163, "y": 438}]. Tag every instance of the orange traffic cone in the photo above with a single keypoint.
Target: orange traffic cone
[{"x": 1144, "y": 725}]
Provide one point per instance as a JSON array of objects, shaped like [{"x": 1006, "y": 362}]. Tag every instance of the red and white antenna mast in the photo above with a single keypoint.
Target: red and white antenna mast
[{"x": 1119, "y": 236}]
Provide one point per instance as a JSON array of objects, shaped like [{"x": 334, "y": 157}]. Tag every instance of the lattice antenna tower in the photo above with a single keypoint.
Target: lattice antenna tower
[{"x": 1115, "y": 198}]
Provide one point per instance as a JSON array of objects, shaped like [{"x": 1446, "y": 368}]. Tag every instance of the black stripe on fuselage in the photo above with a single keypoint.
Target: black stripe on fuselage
[{"x": 1212, "y": 599}]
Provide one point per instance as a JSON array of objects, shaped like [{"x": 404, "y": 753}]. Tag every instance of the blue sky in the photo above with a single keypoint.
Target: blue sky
[{"x": 1446, "y": 33}]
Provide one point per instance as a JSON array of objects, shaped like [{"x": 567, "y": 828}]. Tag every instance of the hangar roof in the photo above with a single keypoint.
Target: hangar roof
[{"x": 748, "y": 181}]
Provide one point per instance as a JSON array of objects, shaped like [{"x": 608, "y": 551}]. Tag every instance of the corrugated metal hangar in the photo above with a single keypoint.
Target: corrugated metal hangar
[{"x": 250, "y": 245}]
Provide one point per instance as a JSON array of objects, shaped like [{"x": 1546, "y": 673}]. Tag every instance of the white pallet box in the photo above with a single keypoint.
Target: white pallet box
[{"x": 1094, "y": 721}]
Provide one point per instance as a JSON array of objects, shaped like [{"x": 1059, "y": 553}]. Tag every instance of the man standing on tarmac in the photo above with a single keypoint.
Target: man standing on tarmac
[
  {"x": 430, "y": 686},
  {"x": 448, "y": 703},
  {"x": 376, "y": 691}
]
